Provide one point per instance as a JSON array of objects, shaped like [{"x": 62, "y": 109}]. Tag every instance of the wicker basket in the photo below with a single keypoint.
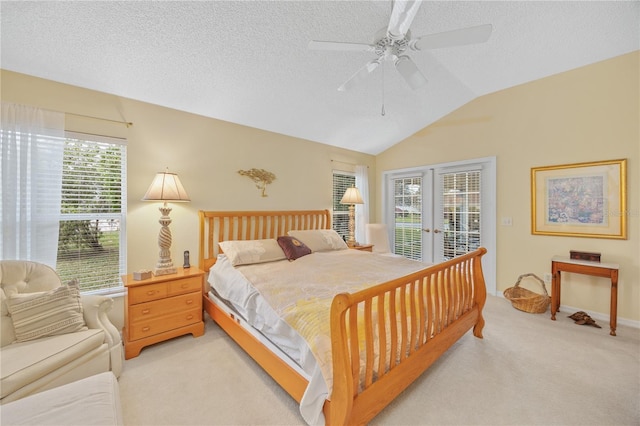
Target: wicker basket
[{"x": 527, "y": 300}]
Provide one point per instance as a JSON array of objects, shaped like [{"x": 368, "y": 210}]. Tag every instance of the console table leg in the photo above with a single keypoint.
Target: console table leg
[
  {"x": 555, "y": 293},
  {"x": 613, "y": 312}
]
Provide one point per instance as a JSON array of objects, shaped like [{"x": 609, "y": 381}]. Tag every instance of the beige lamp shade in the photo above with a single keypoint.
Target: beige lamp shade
[
  {"x": 352, "y": 196},
  {"x": 166, "y": 187}
]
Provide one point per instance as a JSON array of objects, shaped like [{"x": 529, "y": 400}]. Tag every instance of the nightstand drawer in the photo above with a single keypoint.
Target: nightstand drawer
[
  {"x": 147, "y": 293},
  {"x": 151, "y": 327},
  {"x": 185, "y": 285},
  {"x": 157, "y": 308}
]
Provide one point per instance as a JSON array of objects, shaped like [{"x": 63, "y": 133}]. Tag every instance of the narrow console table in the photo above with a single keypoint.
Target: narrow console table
[{"x": 596, "y": 269}]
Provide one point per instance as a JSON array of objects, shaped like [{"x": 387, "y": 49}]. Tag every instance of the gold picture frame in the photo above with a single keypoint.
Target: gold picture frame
[{"x": 580, "y": 200}]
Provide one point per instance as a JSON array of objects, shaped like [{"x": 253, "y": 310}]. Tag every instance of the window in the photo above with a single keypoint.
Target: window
[
  {"x": 91, "y": 242},
  {"x": 340, "y": 219}
]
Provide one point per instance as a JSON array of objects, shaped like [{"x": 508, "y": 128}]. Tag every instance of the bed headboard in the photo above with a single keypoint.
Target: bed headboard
[{"x": 216, "y": 226}]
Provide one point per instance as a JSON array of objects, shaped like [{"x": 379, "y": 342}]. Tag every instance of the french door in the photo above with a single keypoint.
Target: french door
[
  {"x": 458, "y": 212},
  {"x": 438, "y": 212}
]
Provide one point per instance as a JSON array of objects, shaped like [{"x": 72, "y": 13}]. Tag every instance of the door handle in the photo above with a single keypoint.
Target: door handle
[
  {"x": 427, "y": 230},
  {"x": 436, "y": 231}
]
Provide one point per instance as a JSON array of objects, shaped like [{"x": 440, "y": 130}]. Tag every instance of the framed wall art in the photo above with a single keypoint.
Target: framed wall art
[{"x": 580, "y": 200}]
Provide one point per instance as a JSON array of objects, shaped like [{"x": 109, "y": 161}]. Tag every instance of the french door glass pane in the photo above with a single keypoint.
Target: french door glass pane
[
  {"x": 407, "y": 194},
  {"x": 461, "y": 213}
]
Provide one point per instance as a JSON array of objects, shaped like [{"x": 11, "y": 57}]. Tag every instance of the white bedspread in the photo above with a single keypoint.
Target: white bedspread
[{"x": 290, "y": 303}]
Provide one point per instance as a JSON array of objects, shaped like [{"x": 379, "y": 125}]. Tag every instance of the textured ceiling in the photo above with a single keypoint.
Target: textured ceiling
[{"x": 247, "y": 62}]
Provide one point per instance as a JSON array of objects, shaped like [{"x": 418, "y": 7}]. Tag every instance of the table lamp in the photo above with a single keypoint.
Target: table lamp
[
  {"x": 165, "y": 187},
  {"x": 352, "y": 197}
]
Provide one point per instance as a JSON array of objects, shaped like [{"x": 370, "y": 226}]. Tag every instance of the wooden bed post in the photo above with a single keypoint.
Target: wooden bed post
[
  {"x": 201, "y": 246},
  {"x": 480, "y": 291},
  {"x": 342, "y": 395}
]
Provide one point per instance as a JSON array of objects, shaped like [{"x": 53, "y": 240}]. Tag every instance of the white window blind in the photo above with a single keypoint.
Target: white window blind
[
  {"x": 92, "y": 243},
  {"x": 461, "y": 209},
  {"x": 340, "y": 220},
  {"x": 407, "y": 193}
]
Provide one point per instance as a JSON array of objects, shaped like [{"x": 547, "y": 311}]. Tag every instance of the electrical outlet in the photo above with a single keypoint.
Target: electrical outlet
[
  {"x": 547, "y": 278},
  {"x": 506, "y": 221}
]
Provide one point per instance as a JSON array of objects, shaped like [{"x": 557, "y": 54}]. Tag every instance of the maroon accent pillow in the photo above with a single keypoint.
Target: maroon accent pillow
[{"x": 293, "y": 248}]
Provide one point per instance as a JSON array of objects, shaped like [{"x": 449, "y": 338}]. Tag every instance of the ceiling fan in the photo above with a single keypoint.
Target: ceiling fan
[{"x": 393, "y": 42}]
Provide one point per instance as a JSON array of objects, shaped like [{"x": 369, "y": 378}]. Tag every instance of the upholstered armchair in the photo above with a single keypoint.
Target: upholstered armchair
[
  {"x": 50, "y": 333},
  {"x": 378, "y": 235}
]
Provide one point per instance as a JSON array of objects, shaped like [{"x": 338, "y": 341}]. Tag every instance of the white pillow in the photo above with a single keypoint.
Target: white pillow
[
  {"x": 246, "y": 252},
  {"x": 320, "y": 239},
  {"x": 48, "y": 313}
]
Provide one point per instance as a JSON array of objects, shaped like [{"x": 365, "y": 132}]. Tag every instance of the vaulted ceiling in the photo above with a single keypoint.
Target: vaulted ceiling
[{"x": 248, "y": 62}]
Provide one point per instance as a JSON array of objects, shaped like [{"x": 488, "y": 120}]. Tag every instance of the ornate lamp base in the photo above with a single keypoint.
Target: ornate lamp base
[
  {"x": 351, "y": 240},
  {"x": 165, "y": 271},
  {"x": 165, "y": 264}
]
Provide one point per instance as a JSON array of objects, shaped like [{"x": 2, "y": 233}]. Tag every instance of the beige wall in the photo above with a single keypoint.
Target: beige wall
[
  {"x": 206, "y": 154},
  {"x": 588, "y": 114}
]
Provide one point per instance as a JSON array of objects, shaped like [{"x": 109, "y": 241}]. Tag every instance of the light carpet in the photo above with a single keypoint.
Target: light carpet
[{"x": 528, "y": 370}]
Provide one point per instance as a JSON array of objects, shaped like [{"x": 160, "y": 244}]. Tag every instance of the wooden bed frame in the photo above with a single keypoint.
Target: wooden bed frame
[{"x": 417, "y": 317}]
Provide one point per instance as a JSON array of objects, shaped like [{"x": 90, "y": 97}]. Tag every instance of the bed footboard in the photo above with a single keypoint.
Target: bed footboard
[{"x": 384, "y": 337}]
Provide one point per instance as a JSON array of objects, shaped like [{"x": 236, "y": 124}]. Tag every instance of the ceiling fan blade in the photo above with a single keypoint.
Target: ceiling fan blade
[
  {"x": 360, "y": 75},
  {"x": 459, "y": 37},
  {"x": 402, "y": 16},
  {"x": 340, "y": 46},
  {"x": 408, "y": 69}
]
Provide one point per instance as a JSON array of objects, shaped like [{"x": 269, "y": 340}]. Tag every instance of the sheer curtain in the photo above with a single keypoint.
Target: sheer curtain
[
  {"x": 30, "y": 182},
  {"x": 362, "y": 210}
]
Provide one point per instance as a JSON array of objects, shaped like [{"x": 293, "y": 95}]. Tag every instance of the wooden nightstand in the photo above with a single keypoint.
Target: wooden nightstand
[
  {"x": 363, "y": 247},
  {"x": 162, "y": 307}
]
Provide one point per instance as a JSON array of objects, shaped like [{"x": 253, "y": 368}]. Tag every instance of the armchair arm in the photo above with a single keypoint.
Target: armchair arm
[{"x": 95, "y": 315}]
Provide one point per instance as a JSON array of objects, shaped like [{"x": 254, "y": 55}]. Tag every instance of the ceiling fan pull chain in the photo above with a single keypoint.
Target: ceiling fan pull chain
[{"x": 383, "y": 112}]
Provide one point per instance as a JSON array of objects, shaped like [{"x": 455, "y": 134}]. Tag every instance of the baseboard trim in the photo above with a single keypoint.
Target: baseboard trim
[{"x": 603, "y": 317}]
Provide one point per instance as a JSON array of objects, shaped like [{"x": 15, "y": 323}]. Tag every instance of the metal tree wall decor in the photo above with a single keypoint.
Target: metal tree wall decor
[{"x": 260, "y": 177}]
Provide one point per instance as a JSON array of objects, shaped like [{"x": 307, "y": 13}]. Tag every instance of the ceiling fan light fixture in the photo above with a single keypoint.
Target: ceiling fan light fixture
[{"x": 410, "y": 72}]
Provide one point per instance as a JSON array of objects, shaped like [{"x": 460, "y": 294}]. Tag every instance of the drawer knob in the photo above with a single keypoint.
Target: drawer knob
[
  {"x": 189, "y": 302},
  {"x": 145, "y": 311},
  {"x": 190, "y": 317},
  {"x": 151, "y": 292},
  {"x": 185, "y": 285},
  {"x": 147, "y": 328}
]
